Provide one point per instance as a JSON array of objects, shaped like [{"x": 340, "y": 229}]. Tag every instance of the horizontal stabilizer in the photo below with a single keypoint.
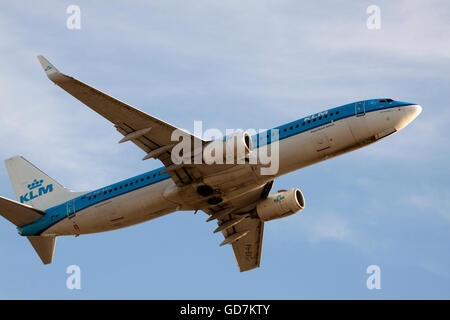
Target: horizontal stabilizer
[
  {"x": 44, "y": 246},
  {"x": 18, "y": 213}
]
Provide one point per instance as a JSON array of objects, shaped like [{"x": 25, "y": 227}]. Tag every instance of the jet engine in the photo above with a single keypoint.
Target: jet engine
[
  {"x": 228, "y": 149},
  {"x": 280, "y": 204}
]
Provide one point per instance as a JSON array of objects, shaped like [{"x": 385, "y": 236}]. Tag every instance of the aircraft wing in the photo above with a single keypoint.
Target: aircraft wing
[
  {"x": 149, "y": 133},
  {"x": 241, "y": 227},
  {"x": 247, "y": 250}
]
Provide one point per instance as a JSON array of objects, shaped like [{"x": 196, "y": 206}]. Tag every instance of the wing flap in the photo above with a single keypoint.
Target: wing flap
[{"x": 247, "y": 249}]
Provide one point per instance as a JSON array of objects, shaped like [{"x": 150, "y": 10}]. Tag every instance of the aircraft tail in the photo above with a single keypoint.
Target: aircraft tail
[
  {"x": 35, "y": 192},
  {"x": 33, "y": 187}
]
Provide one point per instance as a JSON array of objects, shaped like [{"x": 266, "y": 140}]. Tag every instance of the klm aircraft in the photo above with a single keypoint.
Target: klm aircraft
[{"x": 236, "y": 196}]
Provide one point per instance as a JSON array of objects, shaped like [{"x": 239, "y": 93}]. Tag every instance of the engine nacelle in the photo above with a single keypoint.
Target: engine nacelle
[
  {"x": 228, "y": 149},
  {"x": 280, "y": 204}
]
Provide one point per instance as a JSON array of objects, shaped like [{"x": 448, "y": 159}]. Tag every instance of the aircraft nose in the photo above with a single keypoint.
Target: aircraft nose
[
  {"x": 415, "y": 110},
  {"x": 410, "y": 112},
  {"x": 419, "y": 109}
]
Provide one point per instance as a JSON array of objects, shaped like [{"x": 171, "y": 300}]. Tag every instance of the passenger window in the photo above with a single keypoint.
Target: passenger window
[
  {"x": 320, "y": 118},
  {"x": 296, "y": 125},
  {"x": 337, "y": 111},
  {"x": 314, "y": 120}
]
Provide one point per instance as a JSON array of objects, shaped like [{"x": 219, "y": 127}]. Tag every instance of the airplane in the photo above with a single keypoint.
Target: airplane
[{"x": 236, "y": 196}]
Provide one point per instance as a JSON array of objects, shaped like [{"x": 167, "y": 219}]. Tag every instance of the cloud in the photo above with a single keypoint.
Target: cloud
[
  {"x": 431, "y": 201},
  {"x": 45, "y": 127},
  {"x": 331, "y": 227},
  {"x": 231, "y": 64},
  {"x": 435, "y": 267},
  {"x": 317, "y": 227}
]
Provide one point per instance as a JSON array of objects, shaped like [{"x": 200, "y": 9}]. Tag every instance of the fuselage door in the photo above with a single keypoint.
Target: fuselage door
[
  {"x": 71, "y": 208},
  {"x": 360, "y": 108}
]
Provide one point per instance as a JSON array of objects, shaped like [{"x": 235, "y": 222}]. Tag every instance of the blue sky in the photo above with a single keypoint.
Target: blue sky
[{"x": 235, "y": 64}]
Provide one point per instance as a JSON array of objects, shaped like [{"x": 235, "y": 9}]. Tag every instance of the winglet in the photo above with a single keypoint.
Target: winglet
[{"x": 47, "y": 66}]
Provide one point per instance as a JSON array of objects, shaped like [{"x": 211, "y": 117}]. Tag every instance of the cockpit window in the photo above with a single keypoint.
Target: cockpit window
[{"x": 386, "y": 100}]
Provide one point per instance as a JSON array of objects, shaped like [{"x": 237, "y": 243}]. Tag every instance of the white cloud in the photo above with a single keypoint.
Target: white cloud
[
  {"x": 432, "y": 201},
  {"x": 316, "y": 227},
  {"x": 331, "y": 227}
]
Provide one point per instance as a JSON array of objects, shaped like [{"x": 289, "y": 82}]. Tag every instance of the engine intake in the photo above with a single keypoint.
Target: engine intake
[
  {"x": 230, "y": 148},
  {"x": 281, "y": 204}
]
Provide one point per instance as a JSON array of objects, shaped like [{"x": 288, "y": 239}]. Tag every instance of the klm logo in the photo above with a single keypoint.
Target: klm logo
[
  {"x": 278, "y": 198},
  {"x": 36, "y": 190}
]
